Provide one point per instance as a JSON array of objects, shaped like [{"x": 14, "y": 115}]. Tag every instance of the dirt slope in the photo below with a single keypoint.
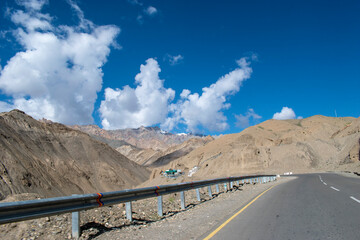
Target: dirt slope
[
  {"x": 312, "y": 144},
  {"x": 178, "y": 151},
  {"x": 51, "y": 159}
]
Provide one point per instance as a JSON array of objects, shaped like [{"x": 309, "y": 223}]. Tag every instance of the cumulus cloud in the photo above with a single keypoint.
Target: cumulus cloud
[
  {"x": 206, "y": 110},
  {"x": 32, "y": 5},
  {"x": 286, "y": 113},
  {"x": 58, "y": 73},
  {"x": 173, "y": 60},
  {"x": 243, "y": 121},
  {"x": 151, "y": 11},
  {"x": 145, "y": 105}
]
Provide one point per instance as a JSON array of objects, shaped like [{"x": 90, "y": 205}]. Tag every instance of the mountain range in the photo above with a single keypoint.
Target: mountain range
[
  {"x": 314, "y": 144},
  {"x": 147, "y": 146},
  {"x": 51, "y": 159}
]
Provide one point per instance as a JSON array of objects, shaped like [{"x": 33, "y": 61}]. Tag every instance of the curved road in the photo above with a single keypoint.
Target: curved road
[{"x": 312, "y": 206}]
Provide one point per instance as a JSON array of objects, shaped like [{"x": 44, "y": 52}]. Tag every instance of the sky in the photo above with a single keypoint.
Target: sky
[{"x": 211, "y": 67}]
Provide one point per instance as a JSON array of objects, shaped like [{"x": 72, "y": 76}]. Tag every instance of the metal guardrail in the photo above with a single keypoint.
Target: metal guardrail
[{"x": 26, "y": 210}]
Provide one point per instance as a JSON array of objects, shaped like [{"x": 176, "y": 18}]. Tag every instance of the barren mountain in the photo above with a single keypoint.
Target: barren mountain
[
  {"x": 143, "y": 137},
  {"x": 51, "y": 159},
  {"x": 316, "y": 143},
  {"x": 148, "y": 146},
  {"x": 178, "y": 151}
]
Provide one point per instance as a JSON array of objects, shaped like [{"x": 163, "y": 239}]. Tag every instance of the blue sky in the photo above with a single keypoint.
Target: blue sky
[{"x": 304, "y": 55}]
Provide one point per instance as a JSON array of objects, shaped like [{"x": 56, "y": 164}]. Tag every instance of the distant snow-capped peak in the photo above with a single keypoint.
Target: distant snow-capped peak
[
  {"x": 182, "y": 134},
  {"x": 163, "y": 132}
]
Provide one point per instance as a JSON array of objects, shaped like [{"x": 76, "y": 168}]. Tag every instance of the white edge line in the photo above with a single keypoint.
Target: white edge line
[
  {"x": 335, "y": 188},
  {"x": 356, "y": 200},
  {"x": 324, "y": 183}
]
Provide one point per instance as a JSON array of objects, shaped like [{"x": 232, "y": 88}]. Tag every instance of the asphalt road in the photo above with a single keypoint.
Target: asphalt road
[{"x": 313, "y": 206}]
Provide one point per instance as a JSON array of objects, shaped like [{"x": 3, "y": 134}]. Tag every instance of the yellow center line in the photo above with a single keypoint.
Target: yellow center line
[{"x": 231, "y": 218}]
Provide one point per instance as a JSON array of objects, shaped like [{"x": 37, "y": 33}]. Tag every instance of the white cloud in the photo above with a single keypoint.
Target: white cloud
[
  {"x": 151, "y": 11},
  {"x": 286, "y": 113},
  {"x": 140, "y": 19},
  {"x": 32, "y": 5},
  {"x": 206, "y": 110},
  {"x": 58, "y": 73},
  {"x": 84, "y": 23},
  {"x": 146, "y": 105},
  {"x": 173, "y": 60},
  {"x": 135, "y": 2},
  {"x": 243, "y": 121},
  {"x": 5, "y": 107},
  {"x": 32, "y": 20}
]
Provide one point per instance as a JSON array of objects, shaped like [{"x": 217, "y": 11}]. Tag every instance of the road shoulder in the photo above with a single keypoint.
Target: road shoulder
[{"x": 198, "y": 220}]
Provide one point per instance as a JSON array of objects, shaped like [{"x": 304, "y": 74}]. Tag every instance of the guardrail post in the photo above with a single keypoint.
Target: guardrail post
[
  {"x": 182, "y": 197},
  {"x": 231, "y": 185},
  {"x": 128, "y": 207},
  {"x": 225, "y": 187},
  {"x": 243, "y": 182},
  {"x": 210, "y": 193},
  {"x": 198, "y": 195},
  {"x": 160, "y": 209},
  {"x": 237, "y": 182},
  {"x": 250, "y": 180},
  {"x": 75, "y": 224},
  {"x": 217, "y": 188}
]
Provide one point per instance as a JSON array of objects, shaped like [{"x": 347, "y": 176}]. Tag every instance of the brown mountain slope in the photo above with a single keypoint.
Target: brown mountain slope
[
  {"x": 143, "y": 137},
  {"x": 150, "y": 146},
  {"x": 53, "y": 160},
  {"x": 312, "y": 144},
  {"x": 179, "y": 151},
  {"x": 141, "y": 156}
]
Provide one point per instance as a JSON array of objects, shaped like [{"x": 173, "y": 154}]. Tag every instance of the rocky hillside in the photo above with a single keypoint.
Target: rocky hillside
[
  {"x": 178, "y": 151},
  {"x": 148, "y": 146},
  {"x": 51, "y": 159},
  {"x": 143, "y": 137},
  {"x": 316, "y": 143}
]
